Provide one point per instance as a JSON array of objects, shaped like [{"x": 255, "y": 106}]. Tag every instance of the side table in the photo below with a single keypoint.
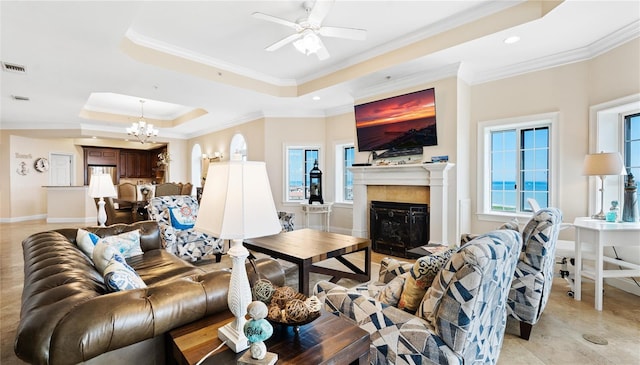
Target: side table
[
  {"x": 315, "y": 208},
  {"x": 327, "y": 340},
  {"x": 598, "y": 234}
]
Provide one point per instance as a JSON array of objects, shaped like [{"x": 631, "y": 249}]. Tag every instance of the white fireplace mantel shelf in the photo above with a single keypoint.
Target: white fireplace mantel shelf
[{"x": 433, "y": 175}]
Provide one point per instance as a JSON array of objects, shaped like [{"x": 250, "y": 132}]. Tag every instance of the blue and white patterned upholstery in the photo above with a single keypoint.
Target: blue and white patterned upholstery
[
  {"x": 187, "y": 244},
  {"x": 464, "y": 309},
  {"x": 286, "y": 221},
  {"x": 534, "y": 273}
]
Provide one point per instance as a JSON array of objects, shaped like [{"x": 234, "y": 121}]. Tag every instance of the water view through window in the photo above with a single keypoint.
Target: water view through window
[
  {"x": 301, "y": 161},
  {"x": 519, "y": 168}
]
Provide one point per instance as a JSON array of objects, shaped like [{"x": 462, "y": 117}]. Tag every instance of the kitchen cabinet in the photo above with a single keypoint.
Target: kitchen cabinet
[
  {"x": 101, "y": 156},
  {"x": 135, "y": 164}
]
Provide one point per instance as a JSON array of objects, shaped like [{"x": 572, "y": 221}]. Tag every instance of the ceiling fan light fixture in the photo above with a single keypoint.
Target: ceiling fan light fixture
[{"x": 309, "y": 43}]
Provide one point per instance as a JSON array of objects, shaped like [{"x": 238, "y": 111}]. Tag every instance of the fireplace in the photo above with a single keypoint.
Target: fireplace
[
  {"x": 433, "y": 175},
  {"x": 396, "y": 228}
]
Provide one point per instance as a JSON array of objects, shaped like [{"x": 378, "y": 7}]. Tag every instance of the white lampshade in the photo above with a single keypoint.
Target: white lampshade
[
  {"x": 101, "y": 186},
  {"x": 602, "y": 164},
  {"x": 237, "y": 202}
]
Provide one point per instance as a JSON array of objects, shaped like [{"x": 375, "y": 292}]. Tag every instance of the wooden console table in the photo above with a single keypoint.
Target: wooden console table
[
  {"x": 324, "y": 209},
  {"x": 600, "y": 234},
  {"x": 327, "y": 340}
]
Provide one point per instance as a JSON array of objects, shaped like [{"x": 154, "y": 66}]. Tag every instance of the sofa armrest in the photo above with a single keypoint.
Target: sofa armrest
[{"x": 396, "y": 336}]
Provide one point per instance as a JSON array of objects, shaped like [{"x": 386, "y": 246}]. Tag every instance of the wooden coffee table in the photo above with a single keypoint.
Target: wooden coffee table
[
  {"x": 327, "y": 340},
  {"x": 306, "y": 247}
]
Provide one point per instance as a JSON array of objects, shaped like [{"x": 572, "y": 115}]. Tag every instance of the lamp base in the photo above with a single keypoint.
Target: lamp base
[
  {"x": 599, "y": 216},
  {"x": 235, "y": 340}
]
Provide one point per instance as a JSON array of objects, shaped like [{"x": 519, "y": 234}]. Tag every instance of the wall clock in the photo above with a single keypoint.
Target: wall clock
[{"x": 41, "y": 164}]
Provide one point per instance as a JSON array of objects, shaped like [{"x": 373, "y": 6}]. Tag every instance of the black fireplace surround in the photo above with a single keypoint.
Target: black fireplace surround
[{"x": 396, "y": 228}]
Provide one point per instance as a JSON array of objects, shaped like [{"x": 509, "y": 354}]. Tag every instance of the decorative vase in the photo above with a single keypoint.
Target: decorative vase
[{"x": 630, "y": 209}]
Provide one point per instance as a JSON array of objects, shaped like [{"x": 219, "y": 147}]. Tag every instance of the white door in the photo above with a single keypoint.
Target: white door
[{"x": 60, "y": 170}]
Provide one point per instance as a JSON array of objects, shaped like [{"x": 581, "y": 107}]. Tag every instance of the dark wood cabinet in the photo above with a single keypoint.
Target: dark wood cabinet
[
  {"x": 101, "y": 156},
  {"x": 135, "y": 164}
]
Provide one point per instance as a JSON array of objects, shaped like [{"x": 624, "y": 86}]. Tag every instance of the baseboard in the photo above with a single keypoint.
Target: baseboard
[
  {"x": 625, "y": 284},
  {"x": 90, "y": 220},
  {"x": 23, "y": 219}
]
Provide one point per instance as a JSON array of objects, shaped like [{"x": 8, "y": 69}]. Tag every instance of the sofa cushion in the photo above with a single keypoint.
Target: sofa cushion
[
  {"x": 86, "y": 241},
  {"x": 117, "y": 274},
  {"x": 127, "y": 243},
  {"x": 421, "y": 276},
  {"x": 390, "y": 268},
  {"x": 183, "y": 217}
]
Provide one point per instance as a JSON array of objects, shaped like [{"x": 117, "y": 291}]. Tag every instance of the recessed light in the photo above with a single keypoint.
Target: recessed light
[
  {"x": 316, "y": 97},
  {"x": 511, "y": 40},
  {"x": 94, "y": 137}
]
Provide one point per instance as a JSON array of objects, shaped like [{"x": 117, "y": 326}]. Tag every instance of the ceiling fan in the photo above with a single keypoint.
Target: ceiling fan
[{"x": 308, "y": 29}]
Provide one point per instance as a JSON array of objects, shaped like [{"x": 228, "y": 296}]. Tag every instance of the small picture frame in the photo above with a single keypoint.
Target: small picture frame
[{"x": 443, "y": 159}]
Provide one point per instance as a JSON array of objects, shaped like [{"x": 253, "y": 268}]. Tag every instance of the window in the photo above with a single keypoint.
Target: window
[
  {"x": 632, "y": 145},
  {"x": 300, "y": 161},
  {"x": 517, "y": 165},
  {"x": 345, "y": 155}
]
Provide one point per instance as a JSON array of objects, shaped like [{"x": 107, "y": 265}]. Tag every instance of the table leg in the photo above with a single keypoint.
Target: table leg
[
  {"x": 577, "y": 280},
  {"x": 303, "y": 277},
  {"x": 598, "y": 268}
]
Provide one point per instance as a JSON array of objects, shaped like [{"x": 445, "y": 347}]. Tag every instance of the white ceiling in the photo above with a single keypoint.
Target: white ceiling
[{"x": 74, "y": 49}]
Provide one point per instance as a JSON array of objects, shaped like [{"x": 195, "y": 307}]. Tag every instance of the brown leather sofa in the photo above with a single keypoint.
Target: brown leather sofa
[{"x": 68, "y": 317}]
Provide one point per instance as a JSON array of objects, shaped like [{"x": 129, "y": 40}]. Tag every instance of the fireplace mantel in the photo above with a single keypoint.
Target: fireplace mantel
[{"x": 433, "y": 175}]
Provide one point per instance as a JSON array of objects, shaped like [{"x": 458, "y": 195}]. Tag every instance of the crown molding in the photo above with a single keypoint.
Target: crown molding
[
  {"x": 603, "y": 45},
  {"x": 180, "y": 52}
]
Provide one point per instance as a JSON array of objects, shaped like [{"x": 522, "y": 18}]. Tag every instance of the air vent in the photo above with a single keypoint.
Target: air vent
[
  {"x": 12, "y": 67},
  {"x": 20, "y": 98}
]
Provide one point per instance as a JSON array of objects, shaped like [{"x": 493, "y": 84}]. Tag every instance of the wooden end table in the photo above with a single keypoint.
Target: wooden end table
[{"x": 327, "y": 340}]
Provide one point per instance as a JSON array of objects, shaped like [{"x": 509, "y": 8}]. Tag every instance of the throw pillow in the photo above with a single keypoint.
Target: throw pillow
[
  {"x": 86, "y": 241},
  {"x": 127, "y": 243},
  {"x": 421, "y": 276},
  {"x": 391, "y": 292},
  {"x": 118, "y": 275},
  {"x": 182, "y": 217}
]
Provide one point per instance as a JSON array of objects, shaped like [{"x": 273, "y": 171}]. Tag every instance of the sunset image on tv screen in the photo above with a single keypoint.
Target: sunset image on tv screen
[{"x": 405, "y": 121}]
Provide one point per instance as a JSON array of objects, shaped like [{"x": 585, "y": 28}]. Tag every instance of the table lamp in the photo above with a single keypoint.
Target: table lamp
[
  {"x": 603, "y": 164},
  {"x": 237, "y": 204},
  {"x": 101, "y": 187}
]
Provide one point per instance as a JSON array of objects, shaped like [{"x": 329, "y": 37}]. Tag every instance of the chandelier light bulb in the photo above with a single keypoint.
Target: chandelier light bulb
[{"x": 143, "y": 131}]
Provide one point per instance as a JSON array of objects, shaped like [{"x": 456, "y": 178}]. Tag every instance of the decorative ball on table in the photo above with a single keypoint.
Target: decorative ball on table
[
  {"x": 263, "y": 290},
  {"x": 258, "y": 329}
]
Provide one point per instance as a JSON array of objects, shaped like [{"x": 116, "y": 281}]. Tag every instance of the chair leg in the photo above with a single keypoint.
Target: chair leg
[
  {"x": 218, "y": 257},
  {"x": 525, "y": 330}
]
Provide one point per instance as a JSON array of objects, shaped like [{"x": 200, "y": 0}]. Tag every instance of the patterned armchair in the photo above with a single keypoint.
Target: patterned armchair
[
  {"x": 286, "y": 221},
  {"x": 462, "y": 316},
  {"x": 534, "y": 273},
  {"x": 180, "y": 239}
]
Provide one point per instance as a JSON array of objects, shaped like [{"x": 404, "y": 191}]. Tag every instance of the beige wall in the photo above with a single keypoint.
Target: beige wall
[
  {"x": 28, "y": 198},
  {"x": 569, "y": 90}
]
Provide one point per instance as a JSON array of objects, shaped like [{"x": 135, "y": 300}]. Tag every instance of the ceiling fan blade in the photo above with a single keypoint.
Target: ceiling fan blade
[
  {"x": 319, "y": 12},
  {"x": 283, "y": 41},
  {"x": 274, "y": 19},
  {"x": 322, "y": 52},
  {"x": 348, "y": 33}
]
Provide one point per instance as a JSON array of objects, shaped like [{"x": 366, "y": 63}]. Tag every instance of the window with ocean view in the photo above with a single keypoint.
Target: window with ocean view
[
  {"x": 632, "y": 145},
  {"x": 345, "y": 155},
  {"x": 300, "y": 161},
  {"x": 517, "y": 164}
]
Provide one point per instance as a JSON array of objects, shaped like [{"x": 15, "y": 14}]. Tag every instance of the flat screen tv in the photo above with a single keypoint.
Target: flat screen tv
[{"x": 402, "y": 122}]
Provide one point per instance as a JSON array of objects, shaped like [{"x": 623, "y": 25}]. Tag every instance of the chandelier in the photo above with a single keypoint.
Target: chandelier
[{"x": 143, "y": 131}]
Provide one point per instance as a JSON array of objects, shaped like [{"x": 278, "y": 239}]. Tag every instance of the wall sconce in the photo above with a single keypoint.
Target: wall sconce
[{"x": 216, "y": 157}]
